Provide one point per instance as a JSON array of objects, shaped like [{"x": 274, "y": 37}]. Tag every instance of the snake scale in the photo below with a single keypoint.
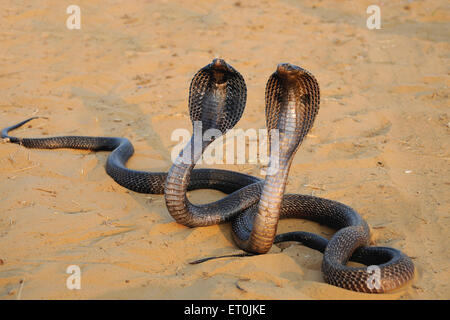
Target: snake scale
[{"x": 217, "y": 98}]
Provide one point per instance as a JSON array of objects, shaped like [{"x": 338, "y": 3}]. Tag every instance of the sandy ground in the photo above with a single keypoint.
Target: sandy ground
[{"x": 380, "y": 142}]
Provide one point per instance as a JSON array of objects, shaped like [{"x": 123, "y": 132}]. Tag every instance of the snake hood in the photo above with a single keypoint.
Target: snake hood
[
  {"x": 217, "y": 96},
  {"x": 292, "y": 102}
]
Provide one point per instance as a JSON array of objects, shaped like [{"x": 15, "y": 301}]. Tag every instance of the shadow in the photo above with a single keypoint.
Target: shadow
[
  {"x": 119, "y": 109},
  {"x": 107, "y": 109}
]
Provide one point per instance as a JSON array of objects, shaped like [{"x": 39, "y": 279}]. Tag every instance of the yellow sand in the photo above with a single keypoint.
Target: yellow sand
[{"x": 380, "y": 142}]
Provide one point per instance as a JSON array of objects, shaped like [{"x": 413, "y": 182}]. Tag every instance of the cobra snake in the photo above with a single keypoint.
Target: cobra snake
[{"x": 217, "y": 98}]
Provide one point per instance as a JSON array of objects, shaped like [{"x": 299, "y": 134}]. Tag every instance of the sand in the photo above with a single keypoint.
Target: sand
[{"x": 380, "y": 142}]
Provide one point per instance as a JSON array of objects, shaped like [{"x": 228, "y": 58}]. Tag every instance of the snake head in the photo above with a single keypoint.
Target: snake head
[
  {"x": 292, "y": 102},
  {"x": 217, "y": 96}
]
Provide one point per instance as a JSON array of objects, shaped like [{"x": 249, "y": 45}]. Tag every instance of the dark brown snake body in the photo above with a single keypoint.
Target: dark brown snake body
[{"x": 217, "y": 99}]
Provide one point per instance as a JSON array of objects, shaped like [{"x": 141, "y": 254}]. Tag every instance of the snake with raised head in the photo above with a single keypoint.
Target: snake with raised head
[{"x": 217, "y": 99}]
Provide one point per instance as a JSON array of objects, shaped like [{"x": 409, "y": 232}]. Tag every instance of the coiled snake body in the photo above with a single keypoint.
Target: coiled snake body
[{"x": 217, "y": 98}]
